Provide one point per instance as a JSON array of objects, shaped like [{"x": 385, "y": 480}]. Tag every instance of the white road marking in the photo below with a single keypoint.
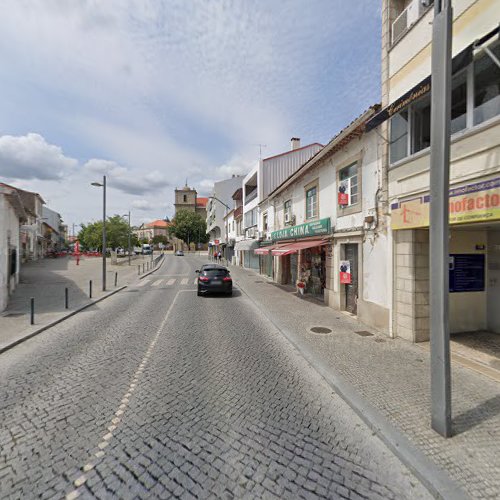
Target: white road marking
[
  {"x": 143, "y": 282},
  {"x": 123, "y": 406},
  {"x": 184, "y": 281},
  {"x": 171, "y": 282},
  {"x": 156, "y": 283},
  {"x": 195, "y": 281}
]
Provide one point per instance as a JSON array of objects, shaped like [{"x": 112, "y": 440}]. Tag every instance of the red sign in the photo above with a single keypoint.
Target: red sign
[
  {"x": 345, "y": 278},
  {"x": 345, "y": 272},
  {"x": 343, "y": 199},
  {"x": 216, "y": 242}
]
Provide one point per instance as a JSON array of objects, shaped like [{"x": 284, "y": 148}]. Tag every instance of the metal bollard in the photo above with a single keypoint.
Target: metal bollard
[
  {"x": 116, "y": 278},
  {"x": 32, "y": 306},
  {"x": 90, "y": 289},
  {"x": 66, "y": 298},
  {"x": 138, "y": 270},
  {"x": 143, "y": 268}
]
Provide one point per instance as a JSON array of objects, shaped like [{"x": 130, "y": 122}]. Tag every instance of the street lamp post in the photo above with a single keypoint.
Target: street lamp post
[
  {"x": 103, "y": 185},
  {"x": 129, "y": 247}
]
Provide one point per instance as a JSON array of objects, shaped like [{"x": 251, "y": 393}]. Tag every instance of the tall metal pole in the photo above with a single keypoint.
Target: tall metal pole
[
  {"x": 104, "y": 233},
  {"x": 439, "y": 218},
  {"x": 129, "y": 247}
]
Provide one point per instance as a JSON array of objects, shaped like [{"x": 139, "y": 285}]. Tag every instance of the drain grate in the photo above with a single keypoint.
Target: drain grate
[
  {"x": 259, "y": 281},
  {"x": 379, "y": 340},
  {"x": 364, "y": 333},
  {"x": 320, "y": 329}
]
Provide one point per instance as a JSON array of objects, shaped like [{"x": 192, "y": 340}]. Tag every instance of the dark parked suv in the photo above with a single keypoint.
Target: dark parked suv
[{"x": 214, "y": 278}]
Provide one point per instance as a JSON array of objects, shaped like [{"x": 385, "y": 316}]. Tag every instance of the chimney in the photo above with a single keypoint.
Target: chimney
[{"x": 295, "y": 143}]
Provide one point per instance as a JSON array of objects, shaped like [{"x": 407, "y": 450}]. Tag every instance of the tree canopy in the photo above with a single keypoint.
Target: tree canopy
[
  {"x": 189, "y": 227},
  {"x": 90, "y": 235}
]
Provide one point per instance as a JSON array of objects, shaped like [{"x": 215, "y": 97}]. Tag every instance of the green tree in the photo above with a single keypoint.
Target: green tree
[
  {"x": 189, "y": 227},
  {"x": 90, "y": 235},
  {"x": 160, "y": 238}
]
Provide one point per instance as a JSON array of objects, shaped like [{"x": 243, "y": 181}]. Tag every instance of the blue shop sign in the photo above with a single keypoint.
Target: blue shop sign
[{"x": 467, "y": 272}]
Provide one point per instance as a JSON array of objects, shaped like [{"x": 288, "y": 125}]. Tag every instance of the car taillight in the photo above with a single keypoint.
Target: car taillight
[
  {"x": 203, "y": 278},
  {"x": 227, "y": 278}
]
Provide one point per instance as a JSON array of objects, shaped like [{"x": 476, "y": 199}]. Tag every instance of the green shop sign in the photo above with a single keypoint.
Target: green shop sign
[{"x": 316, "y": 228}]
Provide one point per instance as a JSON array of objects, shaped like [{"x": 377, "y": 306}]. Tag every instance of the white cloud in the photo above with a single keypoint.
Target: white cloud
[
  {"x": 31, "y": 157},
  {"x": 126, "y": 180},
  {"x": 144, "y": 205}
]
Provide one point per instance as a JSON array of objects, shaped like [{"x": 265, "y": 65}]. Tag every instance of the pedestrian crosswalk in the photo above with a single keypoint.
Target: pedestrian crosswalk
[{"x": 167, "y": 282}]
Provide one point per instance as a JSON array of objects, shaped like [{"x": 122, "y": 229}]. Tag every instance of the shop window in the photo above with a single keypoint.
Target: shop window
[
  {"x": 421, "y": 124},
  {"x": 288, "y": 211},
  {"x": 459, "y": 102},
  {"x": 399, "y": 136},
  {"x": 349, "y": 185},
  {"x": 312, "y": 203},
  {"x": 486, "y": 86}
]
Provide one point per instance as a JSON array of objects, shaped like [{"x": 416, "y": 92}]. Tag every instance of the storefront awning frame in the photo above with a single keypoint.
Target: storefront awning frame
[{"x": 296, "y": 246}]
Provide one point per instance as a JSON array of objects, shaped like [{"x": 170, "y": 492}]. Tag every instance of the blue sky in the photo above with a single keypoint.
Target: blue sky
[{"x": 154, "y": 92}]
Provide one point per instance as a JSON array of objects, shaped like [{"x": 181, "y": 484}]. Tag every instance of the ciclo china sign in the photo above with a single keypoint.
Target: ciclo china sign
[{"x": 316, "y": 228}]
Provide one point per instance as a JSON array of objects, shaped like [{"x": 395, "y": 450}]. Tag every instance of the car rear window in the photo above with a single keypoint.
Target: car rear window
[{"x": 211, "y": 273}]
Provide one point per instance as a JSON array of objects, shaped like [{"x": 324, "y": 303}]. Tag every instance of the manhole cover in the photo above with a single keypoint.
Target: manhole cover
[
  {"x": 364, "y": 333},
  {"x": 321, "y": 329}
]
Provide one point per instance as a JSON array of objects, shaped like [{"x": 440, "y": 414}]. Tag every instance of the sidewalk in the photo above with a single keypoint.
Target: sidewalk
[
  {"x": 45, "y": 281},
  {"x": 393, "y": 376}
]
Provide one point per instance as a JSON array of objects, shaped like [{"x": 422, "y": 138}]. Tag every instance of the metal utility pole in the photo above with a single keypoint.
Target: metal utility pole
[
  {"x": 439, "y": 218},
  {"x": 103, "y": 185}
]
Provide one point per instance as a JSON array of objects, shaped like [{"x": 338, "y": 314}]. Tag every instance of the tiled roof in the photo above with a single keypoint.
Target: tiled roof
[
  {"x": 158, "y": 223},
  {"x": 201, "y": 202}
]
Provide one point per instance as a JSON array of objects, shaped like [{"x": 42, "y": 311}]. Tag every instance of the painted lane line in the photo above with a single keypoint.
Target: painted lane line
[
  {"x": 184, "y": 281},
  {"x": 195, "y": 281},
  {"x": 171, "y": 282},
  {"x": 156, "y": 283},
  {"x": 142, "y": 283},
  {"x": 115, "y": 420}
]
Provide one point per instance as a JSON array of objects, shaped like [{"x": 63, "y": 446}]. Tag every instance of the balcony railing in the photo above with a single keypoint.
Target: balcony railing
[
  {"x": 251, "y": 196},
  {"x": 238, "y": 212}
]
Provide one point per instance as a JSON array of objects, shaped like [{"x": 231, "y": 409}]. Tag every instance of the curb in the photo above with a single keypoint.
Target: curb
[
  {"x": 59, "y": 320},
  {"x": 154, "y": 270},
  {"x": 437, "y": 481}
]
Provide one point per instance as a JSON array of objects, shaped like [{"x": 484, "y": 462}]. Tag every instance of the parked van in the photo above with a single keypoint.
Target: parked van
[{"x": 147, "y": 249}]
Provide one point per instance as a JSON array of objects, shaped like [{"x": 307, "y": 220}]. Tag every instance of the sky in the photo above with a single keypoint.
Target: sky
[{"x": 154, "y": 93}]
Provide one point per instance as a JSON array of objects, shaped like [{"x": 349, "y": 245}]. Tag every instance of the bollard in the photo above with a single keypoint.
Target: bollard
[
  {"x": 32, "y": 306},
  {"x": 90, "y": 289},
  {"x": 116, "y": 278},
  {"x": 143, "y": 268},
  {"x": 66, "y": 299},
  {"x": 138, "y": 270}
]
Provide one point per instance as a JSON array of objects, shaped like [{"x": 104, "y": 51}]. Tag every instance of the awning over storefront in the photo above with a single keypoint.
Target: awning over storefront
[
  {"x": 460, "y": 61},
  {"x": 245, "y": 245},
  {"x": 287, "y": 249},
  {"x": 264, "y": 250}
]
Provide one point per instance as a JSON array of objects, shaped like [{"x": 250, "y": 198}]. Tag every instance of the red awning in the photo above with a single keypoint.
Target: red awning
[
  {"x": 290, "y": 248},
  {"x": 263, "y": 250}
]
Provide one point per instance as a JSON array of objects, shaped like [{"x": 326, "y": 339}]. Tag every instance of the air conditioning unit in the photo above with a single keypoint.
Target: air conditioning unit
[
  {"x": 415, "y": 11},
  {"x": 287, "y": 217},
  {"x": 292, "y": 220}
]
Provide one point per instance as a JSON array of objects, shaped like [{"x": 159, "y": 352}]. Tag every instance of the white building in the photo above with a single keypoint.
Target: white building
[
  {"x": 474, "y": 168},
  {"x": 329, "y": 227},
  {"x": 219, "y": 203},
  {"x": 12, "y": 214},
  {"x": 258, "y": 213}
]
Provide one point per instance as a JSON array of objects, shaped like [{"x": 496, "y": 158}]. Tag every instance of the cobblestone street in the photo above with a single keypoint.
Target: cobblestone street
[{"x": 158, "y": 393}]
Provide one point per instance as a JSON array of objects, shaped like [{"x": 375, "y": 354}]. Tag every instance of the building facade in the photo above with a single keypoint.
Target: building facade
[
  {"x": 474, "y": 167},
  {"x": 12, "y": 215}
]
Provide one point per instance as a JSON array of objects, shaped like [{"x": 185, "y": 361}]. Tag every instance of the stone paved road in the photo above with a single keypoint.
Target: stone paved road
[{"x": 158, "y": 393}]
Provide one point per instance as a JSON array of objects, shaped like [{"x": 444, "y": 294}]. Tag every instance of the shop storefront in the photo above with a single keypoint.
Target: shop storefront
[
  {"x": 246, "y": 255},
  {"x": 266, "y": 259},
  {"x": 301, "y": 252},
  {"x": 474, "y": 277}
]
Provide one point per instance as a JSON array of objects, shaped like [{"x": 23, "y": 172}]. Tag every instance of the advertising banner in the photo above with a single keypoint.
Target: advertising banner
[
  {"x": 315, "y": 228},
  {"x": 478, "y": 202},
  {"x": 345, "y": 272}
]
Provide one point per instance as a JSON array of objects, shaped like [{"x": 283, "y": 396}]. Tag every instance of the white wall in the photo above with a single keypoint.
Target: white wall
[
  {"x": 410, "y": 58},
  {"x": 9, "y": 226}
]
